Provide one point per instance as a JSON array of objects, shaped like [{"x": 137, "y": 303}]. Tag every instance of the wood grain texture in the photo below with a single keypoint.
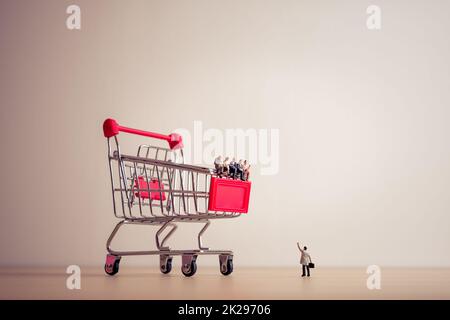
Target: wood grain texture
[{"x": 208, "y": 283}]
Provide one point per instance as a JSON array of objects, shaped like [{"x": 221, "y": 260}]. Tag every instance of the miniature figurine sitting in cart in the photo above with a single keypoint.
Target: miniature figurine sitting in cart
[
  {"x": 234, "y": 170},
  {"x": 218, "y": 166}
]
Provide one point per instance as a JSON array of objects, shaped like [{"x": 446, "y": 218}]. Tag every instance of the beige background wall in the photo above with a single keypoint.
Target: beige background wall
[{"x": 363, "y": 119}]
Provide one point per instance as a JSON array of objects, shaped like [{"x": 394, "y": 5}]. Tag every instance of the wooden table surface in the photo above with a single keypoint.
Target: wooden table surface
[{"x": 208, "y": 283}]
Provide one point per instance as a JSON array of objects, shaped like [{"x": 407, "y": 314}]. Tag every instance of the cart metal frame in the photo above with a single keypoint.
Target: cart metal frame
[{"x": 156, "y": 188}]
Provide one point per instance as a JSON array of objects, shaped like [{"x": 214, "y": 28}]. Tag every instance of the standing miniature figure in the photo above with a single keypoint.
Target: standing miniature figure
[
  {"x": 226, "y": 167},
  {"x": 218, "y": 165},
  {"x": 305, "y": 260},
  {"x": 232, "y": 169}
]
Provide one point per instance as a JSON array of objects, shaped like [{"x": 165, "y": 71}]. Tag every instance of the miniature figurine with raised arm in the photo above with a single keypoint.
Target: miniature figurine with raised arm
[{"x": 305, "y": 260}]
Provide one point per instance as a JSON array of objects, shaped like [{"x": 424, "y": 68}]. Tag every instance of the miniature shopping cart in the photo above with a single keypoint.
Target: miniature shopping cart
[{"x": 155, "y": 187}]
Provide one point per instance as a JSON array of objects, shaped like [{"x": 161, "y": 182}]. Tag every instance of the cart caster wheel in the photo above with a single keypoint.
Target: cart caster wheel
[
  {"x": 112, "y": 264},
  {"x": 189, "y": 266},
  {"x": 165, "y": 264},
  {"x": 226, "y": 265}
]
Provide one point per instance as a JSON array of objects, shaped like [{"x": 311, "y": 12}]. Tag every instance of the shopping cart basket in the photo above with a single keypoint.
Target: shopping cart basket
[{"x": 155, "y": 187}]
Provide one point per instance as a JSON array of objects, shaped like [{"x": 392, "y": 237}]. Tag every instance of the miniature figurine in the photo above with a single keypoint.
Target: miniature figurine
[
  {"x": 218, "y": 166},
  {"x": 246, "y": 173},
  {"x": 232, "y": 169},
  {"x": 305, "y": 260},
  {"x": 240, "y": 170},
  {"x": 226, "y": 167}
]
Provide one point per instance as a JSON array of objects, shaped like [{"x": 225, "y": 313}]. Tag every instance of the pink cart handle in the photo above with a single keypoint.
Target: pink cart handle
[{"x": 112, "y": 128}]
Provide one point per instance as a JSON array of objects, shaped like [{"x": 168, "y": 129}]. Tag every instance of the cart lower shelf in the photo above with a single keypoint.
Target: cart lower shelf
[{"x": 188, "y": 256}]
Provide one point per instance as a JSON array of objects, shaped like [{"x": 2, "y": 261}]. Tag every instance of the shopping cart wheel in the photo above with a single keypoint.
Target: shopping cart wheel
[
  {"x": 165, "y": 264},
  {"x": 189, "y": 265},
  {"x": 226, "y": 264},
  {"x": 112, "y": 264}
]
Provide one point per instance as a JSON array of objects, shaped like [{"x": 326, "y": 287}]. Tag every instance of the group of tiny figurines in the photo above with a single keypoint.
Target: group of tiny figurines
[{"x": 232, "y": 169}]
